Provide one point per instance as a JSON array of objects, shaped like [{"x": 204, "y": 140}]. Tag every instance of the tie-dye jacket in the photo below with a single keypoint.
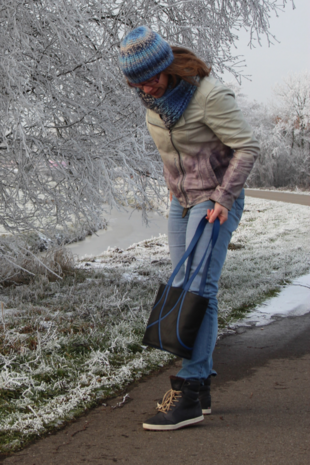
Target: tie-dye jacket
[{"x": 210, "y": 151}]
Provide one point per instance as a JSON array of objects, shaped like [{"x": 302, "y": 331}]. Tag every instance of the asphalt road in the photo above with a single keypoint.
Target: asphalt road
[
  {"x": 300, "y": 199},
  {"x": 260, "y": 412}
]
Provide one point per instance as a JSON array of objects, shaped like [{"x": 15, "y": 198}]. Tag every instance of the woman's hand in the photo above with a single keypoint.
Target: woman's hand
[{"x": 219, "y": 212}]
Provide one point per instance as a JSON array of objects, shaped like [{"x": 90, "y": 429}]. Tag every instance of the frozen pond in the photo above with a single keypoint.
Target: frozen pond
[{"x": 124, "y": 229}]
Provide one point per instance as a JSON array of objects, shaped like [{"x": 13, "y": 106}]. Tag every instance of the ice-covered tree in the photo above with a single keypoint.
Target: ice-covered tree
[
  {"x": 291, "y": 115},
  {"x": 283, "y": 129},
  {"x": 292, "y": 108},
  {"x": 72, "y": 135}
]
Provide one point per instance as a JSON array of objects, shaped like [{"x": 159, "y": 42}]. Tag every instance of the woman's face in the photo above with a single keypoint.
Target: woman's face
[
  {"x": 158, "y": 89},
  {"x": 156, "y": 86}
]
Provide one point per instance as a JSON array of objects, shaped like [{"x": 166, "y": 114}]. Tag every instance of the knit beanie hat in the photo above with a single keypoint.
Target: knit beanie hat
[{"x": 143, "y": 54}]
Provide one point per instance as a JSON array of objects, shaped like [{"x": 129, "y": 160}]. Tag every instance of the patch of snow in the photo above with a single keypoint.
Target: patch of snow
[
  {"x": 128, "y": 277},
  {"x": 293, "y": 300}
]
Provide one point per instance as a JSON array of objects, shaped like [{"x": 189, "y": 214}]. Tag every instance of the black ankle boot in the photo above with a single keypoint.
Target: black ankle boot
[
  {"x": 180, "y": 407},
  {"x": 205, "y": 396}
]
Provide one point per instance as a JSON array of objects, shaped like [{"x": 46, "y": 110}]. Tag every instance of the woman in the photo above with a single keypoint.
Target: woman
[{"x": 208, "y": 151}]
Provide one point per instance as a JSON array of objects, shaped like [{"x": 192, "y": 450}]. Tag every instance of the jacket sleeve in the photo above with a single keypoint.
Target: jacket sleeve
[{"x": 226, "y": 120}]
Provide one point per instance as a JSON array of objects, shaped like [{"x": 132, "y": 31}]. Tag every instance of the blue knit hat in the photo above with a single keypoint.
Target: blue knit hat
[{"x": 143, "y": 54}]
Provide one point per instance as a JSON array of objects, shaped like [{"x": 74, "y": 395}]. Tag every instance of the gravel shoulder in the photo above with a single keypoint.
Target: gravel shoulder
[{"x": 260, "y": 411}]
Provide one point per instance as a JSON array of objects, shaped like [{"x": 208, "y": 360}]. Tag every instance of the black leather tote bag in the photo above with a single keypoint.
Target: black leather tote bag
[{"x": 178, "y": 313}]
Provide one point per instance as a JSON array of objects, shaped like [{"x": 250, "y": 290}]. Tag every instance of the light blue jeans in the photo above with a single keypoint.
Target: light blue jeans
[{"x": 180, "y": 232}]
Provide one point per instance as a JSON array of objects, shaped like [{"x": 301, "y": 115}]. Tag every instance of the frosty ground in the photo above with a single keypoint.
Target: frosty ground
[{"x": 67, "y": 345}]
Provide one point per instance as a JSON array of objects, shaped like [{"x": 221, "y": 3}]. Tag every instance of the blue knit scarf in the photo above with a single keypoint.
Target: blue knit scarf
[{"x": 172, "y": 104}]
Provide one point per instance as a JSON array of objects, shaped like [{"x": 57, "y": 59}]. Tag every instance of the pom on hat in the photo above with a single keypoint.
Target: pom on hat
[{"x": 143, "y": 54}]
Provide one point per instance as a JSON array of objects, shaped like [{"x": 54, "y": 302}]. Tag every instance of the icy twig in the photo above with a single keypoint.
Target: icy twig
[
  {"x": 2, "y": 312},
  {"x": 120, "y": 404}
]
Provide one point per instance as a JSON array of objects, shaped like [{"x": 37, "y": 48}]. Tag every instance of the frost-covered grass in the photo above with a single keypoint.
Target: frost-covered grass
[
  {"x": 67, "y": 345},
  {"x": 271, "y": 248}
]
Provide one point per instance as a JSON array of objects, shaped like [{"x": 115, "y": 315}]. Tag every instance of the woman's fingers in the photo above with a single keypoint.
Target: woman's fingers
[
  {"x": 219, "y": 212},
  {"x": 209, "y": 213}
]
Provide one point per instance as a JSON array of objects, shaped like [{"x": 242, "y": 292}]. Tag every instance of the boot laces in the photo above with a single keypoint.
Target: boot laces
[{"x": 168, "y": 400}]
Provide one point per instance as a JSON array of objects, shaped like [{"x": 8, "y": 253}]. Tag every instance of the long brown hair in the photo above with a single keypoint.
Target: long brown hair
[{"x": 186, "y": 65}]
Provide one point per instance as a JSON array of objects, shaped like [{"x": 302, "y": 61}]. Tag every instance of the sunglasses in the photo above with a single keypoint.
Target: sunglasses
[{"x": 149, "y": 83}]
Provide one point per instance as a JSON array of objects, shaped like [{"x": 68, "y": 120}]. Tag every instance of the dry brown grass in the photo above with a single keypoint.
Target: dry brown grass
[{"x": 20, "y": 266}]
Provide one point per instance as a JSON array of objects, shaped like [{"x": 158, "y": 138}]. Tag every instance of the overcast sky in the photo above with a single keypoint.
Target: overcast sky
[{"x": 269, "y": 65}]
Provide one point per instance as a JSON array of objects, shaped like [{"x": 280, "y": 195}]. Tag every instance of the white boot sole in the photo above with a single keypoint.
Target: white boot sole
[
  {"x": 206, "y": 411},
  {"x": 192, "y": 421}
]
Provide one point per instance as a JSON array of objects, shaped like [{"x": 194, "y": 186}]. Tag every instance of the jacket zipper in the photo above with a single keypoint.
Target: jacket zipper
[
  {"x": 180, "y": 162},
  {"x": 181, "y": 167}
]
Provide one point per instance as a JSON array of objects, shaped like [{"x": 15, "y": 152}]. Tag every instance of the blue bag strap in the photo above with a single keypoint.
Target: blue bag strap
[
  {"x": 189, "y": 264},
  {"x": 186, "y": 285},
  {"x": 215, "y": 234},
  {"x": 190, "y": 249}
]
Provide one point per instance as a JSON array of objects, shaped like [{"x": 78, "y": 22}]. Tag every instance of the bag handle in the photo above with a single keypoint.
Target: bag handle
[
  {"x": 215, "y": 234},
  {"x": 189, "y": 250},
  {"x": 189, "y": 253},
  {"x": 186, "y": 285}
]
